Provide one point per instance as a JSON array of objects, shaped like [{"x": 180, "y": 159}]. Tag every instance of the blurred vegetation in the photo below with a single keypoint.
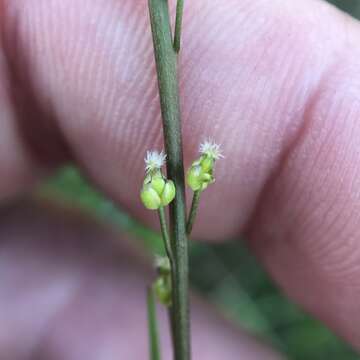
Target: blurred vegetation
[
  {"x": 226, "y": 274},
  {"x": 351, "y": 6}
]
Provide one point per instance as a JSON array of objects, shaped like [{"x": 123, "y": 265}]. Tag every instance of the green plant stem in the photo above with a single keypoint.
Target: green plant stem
[
  {"x": 167, "y": 245},
  {"x": 153, "y": 326},
  {"x": 178, "y": 25},
  {"x": 171, "y": 326},
  {"x": 165, "y": 234},
  {"x": 193, "y": 211},
  {"x": 166, "y": 64}
]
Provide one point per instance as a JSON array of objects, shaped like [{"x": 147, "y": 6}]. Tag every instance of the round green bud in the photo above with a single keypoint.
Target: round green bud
[
  {"x": 163, "y": 291},
  {"x": 168, "y": 193},
  {"x": 157, "y": 191},
  {"x": 194, "y": 177},
  {"x": 200, "y": 175},
  {"x": 150, "y": 197},
  {"x": 158, "y": 184}
]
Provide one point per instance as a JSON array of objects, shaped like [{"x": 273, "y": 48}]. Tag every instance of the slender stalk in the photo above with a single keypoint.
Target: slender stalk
[
  {"x": 167, "y": 244},
  {"x": 153, "y": 326},
  {"x": 178, "y": 25},
  {"x": 172, "y": 327},
  {"x": 193, "y": 211},
  {"x": 165, "y": 234},
  {"x": 166, "y": 64}
]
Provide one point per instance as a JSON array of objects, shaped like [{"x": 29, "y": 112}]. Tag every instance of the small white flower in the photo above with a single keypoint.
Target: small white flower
[
  {"x": 154, "y": 160},
  {"x": 210, "y": 148}
]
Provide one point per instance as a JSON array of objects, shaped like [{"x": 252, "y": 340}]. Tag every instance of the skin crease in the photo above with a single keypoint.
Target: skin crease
[{"x": 276, "y": 83}]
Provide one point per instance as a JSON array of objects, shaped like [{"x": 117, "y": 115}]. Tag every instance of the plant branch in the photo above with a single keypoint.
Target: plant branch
[
  {"x": 165, "y": 234},
  {"x": 166, "y": 64},
  {"x": 153, "y": 326},
  {"x": 178, "y": 25},
  {"x": 193, "y": 211}
]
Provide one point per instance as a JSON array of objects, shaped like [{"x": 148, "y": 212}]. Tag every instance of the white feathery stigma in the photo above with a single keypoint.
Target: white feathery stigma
[
  {"x": 211, "y": 149},
  {"x": 154, "y": 160}
]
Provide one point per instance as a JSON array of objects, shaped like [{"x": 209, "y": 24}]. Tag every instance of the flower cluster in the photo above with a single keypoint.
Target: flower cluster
[
  {"x": 157, "y": 191},
  {"x": 201, "y": 173}
]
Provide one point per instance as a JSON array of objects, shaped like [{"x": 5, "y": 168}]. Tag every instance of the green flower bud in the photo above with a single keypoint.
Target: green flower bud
[
  {"x": 168, "y": 193},
  {"x": 157, "y": 190},
  {"x": 200, "y": 174},
  {"x": 158, "y": 184},
  {"x": 207, "y": 163},
  {"x": 194, "y": 177},
  {"x": 162, "y": 290},
  {"x": 150, "y": 197}
]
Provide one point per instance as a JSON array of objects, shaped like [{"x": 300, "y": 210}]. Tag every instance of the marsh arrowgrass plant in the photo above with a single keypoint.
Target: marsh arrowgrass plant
[{"x": 171, "y": 288}]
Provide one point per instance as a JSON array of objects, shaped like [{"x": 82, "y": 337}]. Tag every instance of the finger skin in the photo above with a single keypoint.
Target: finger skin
[
  {"x": 247, "y": 84},
  {"x": 276, "y": 83},
  {"x": 69, "y": 289}
]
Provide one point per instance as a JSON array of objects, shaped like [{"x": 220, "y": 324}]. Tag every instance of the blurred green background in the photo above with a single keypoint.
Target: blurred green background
[
  {"x": 227, "y": 275},
  {"x": 351, "y": 6}
]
